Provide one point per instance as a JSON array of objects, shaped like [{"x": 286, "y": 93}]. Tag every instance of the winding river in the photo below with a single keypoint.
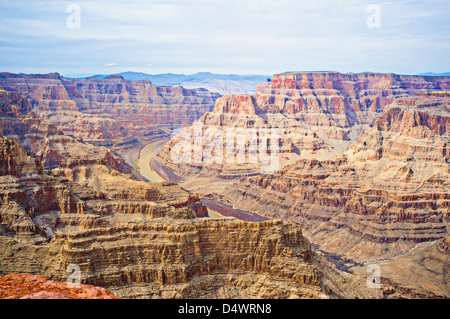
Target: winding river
[
  {"x": 145, "y": 159},
  {"x": 216, "y": 209}
]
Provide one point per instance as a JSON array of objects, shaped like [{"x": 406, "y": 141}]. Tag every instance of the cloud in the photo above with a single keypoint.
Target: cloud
[{"x": 229, "y": 36}]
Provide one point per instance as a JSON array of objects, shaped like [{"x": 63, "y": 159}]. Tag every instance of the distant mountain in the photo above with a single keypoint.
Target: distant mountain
[
  {"x": 220, "y": 83},
  {"x": 435, "y": 74},
  {"x": 84, "y": 75}
]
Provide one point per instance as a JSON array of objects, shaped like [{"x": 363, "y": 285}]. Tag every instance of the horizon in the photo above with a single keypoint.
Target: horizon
[
  {"x": 87, "y": 75},
  {"x": 247, "y": 37}
]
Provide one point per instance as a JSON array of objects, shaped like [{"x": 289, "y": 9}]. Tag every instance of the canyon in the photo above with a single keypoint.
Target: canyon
[
  {"x": 368, "y": 178},
  {"x": 110, "y": 112},
  {"x": 361, "y": 177},
  {"x": 149, "y": 240},
  {"x": 318, "y": 114}
]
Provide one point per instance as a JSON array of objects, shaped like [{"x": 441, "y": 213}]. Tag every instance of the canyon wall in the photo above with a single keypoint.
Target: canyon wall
[
  {"x": 45, "y": 141},
  {"x": 111, "y": 111},
  {"x": 371, "y": 192},
  {"x": 386, "y": 193},
  {"x": 147, "y": 240},
  {"x": 317, "y": 115},
  {"x": 24, "y": 286}
]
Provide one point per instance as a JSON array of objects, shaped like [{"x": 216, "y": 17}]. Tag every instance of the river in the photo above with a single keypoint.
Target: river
[
  {"x": 216, "y": 209},
  {"x": 145, "y": 159}
]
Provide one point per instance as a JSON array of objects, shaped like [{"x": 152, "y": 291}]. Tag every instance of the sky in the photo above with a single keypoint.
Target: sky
[{"x": 224, "y": 36}]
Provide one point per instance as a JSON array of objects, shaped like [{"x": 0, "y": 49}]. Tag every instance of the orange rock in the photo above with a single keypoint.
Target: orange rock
[{"x": 25, "y": 286}]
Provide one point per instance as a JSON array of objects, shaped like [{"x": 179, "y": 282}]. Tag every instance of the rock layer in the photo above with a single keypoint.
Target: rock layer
[
  {"x": 388, "y": 192},
  {"x": 45, "y": 141},
  {"x": 110, "y": 111},
  {"x": 317, "y": 115},
  {"x": 146, "y": 240}
]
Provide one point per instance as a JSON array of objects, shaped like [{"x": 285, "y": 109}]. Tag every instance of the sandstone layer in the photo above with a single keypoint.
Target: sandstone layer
[
  {"x": 384, "y": 195},
  {"x": 146, "y": 240},
  {"x": 109, "y": 112},
  {"x": 45, "y": 141},
  {"x": 377, "y": 199},
  {"x": 317, "y": 115}
]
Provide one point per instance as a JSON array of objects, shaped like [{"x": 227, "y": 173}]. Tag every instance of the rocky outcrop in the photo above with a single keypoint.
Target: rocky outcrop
[
  {"x": 187, "y": 258},
  {"x": 146, "y": 240},
  {"x": 24, "y": 286},
  {"x": 111, "y": 111},
  {"x": 317, "y": 115},
  {"x": 45, "y": 141},
  {"x": 382, "y": 201},
  {"x": 34, "y": 205},
  {"x": 15, "y": 161},
  {"x": 384, "y": 195}
]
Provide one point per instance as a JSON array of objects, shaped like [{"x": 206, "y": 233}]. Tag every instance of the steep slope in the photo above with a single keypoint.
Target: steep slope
[
  {"x": 46, "y": 142},
  {"x": 220, "y": 83},
  {"x": 145, "y": 240},
  {"x": 316, "y": 115},
  {"x": 384, "y": 195},
  {"x": 423, "y": 272},
  {"x": 110, "y": 111}
]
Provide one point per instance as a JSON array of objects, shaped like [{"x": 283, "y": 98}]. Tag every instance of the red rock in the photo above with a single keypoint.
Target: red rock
[{"x": 25, "y": 286}]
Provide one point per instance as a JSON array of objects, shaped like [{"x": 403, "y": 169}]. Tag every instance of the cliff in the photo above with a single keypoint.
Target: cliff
[
  {"x": 146, "y": 240},
  {"x": 318, "y": 115},
  {"x": 45, "y": 141},
  {"x": 384, "y": 195},
  {"x": 111, "y": 111}
]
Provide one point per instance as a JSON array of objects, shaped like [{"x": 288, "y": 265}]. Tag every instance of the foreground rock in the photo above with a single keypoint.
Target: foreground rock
[{"x": 24, "y": 286}]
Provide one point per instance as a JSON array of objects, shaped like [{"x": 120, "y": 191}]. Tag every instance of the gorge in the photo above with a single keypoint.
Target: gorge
[{"x": 363, "y": 178}]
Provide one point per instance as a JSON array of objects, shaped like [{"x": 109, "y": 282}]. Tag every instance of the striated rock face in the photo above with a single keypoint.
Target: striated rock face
[
  {"x": 15, "y": 161},
  {"x": 317, "y": 115},
  {"x": 145, "y": 240},
  {"x": 46, "y": 142},
  {"x": 24, "y": 286},
  {"x": 384, "y": 195},
  {"x": 35, "y": 205},
  {"x": 188, "y": 258},
  {"x": 110, "y": 111},
  {"x": 340, "y": 94}
]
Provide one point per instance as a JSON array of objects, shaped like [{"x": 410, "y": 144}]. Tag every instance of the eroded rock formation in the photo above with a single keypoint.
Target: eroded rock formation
[
  {"x": 45, "y": 141},
  {"x": 109, "y": 112},
  {"x": 384, "y": 195},
  {"x": 146, "y": 240},
  {"x": 317, "y": 115}
]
